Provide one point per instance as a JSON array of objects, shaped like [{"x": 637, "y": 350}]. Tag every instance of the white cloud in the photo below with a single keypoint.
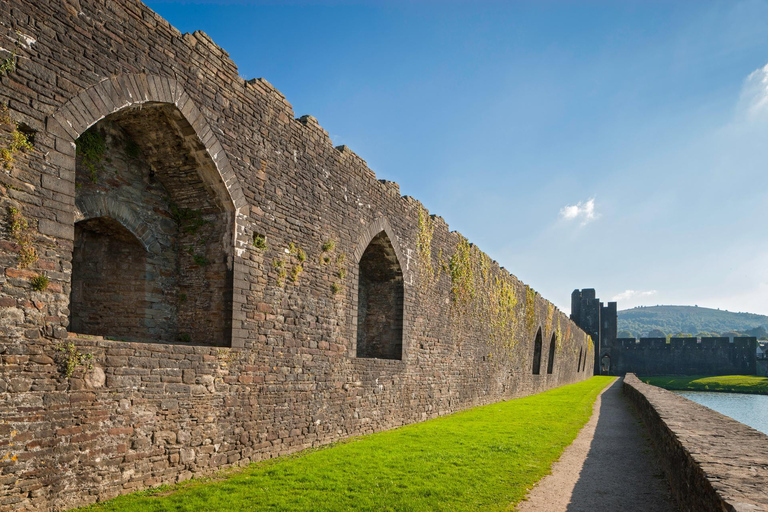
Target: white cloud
[
  {"x": 632, "y": 294},
  {"x": 754, "y": 93},
  {"x": 584, "y": 211}
]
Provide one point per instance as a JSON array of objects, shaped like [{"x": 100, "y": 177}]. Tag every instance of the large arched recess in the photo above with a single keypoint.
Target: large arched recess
[
  {"x": 379, "y": 294},
  {"x": 125, "y": 99}
]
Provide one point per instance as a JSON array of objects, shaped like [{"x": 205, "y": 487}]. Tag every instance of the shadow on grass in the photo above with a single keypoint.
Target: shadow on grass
[{"x": 621, "y": 471}]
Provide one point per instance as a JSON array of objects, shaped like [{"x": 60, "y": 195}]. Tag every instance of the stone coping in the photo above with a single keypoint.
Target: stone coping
[{"x": 712, "y": 462}]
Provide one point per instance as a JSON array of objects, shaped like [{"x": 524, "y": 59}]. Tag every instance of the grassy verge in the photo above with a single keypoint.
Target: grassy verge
[
  {"x": 481, "y": 459},
  {"x": 729, "y": 383}
]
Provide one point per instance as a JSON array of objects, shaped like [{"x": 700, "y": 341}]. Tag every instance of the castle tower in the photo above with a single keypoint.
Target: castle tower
[{"x": 597, "y": 320}]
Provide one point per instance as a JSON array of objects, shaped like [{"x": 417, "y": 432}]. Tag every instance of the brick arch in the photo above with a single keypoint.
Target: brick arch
[
  {"x": 376, "y": 227},
  {"x": 380, "y": 225},
  {"x": 92, "y": 208},
  {"x": 117, "y": 93}
]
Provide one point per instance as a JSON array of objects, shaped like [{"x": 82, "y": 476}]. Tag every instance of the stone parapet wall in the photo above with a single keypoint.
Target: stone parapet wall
[
  {"x": 713, "y": 463},
  {"x": 682, "y": 356},
  {"x": 284, "y": 220}
]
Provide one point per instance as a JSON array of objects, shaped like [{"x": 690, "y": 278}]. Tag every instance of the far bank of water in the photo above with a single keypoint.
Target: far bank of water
[{"x": 751, "y": 410}]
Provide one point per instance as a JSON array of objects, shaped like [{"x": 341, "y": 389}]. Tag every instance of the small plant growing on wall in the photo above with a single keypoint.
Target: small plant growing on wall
[
  {"x": 189, "y": 219},
  {"x": 14, "y": 140},
  {"x": 294, "y": 258},
  {"x": 329, "y": 246},
  {"x": 279, "y": 265},
  {"x": 40, "y": 282},
  {"x": 18, "y": 229},
  {"x": 185, "y": 337},
  {"x": 70, "y": 359},
  {"x": 91, "y": 146},
  {"x": 8, "y": 64},
  {"x": 260, "y": 242},
  {"x": 326, "y": 258},
  {"x": 295, "y": 272}
]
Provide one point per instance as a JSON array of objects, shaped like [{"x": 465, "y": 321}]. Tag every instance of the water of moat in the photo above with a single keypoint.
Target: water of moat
[{"x": 751, "y": 410}]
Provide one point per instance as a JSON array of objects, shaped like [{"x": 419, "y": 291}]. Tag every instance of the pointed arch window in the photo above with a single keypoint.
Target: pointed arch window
[
  {"x": 551, "y": 359},
  {"x": 380, "y": 301},
  {"x": 537, "y": 353}
]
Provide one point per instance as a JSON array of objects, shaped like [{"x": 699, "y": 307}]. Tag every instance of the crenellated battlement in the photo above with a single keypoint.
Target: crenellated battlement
[{"x": 681, "y": 356}]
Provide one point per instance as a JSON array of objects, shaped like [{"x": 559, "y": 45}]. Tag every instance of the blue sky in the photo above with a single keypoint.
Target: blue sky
[{"x": 614, "y": 145}]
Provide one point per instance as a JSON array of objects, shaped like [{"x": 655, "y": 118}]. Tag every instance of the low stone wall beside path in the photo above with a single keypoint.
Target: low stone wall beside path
[{"x": 713, "y": 462}]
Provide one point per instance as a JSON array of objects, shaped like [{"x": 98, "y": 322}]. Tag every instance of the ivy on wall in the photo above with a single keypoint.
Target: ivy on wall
[
  {"x": 530, "y": 309},
  {"x": 550, "y": 317},
  {"x": 462, "y": 274},
  {"x": 18, "y": 230},
  {"x": 424, "y": 247},
  {"x": 91, "y": 146}
]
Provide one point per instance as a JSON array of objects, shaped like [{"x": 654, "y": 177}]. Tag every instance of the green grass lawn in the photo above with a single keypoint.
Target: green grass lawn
[
  {"x": 481, "y": 459},
  {"x": 730, "y": 383}
]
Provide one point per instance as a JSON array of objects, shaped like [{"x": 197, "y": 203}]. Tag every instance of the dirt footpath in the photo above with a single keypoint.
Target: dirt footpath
[{"x": 610, "y": 466}]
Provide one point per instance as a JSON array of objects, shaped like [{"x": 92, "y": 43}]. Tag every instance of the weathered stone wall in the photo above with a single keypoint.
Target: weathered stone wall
[
  {"x": 682, "y": 356},
  {"x": 713, "y": 463},
  {"x": 292, "y": 217}
]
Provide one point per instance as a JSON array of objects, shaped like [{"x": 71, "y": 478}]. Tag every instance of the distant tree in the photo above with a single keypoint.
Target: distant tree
[
  {"x": 656, "y": 333},
  {"x": 758, "y": 332},
  {"x": 682, "y": 335},
  {"x": 707, "y": 334},
  {"x": 625, "y": 334}
]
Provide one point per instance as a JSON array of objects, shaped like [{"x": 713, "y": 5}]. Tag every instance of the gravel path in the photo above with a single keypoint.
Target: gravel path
[{"x": 610, "y": 466}]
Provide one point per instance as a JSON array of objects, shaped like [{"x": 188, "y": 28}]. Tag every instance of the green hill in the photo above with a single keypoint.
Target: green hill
[{"x": 690, "y": 320}]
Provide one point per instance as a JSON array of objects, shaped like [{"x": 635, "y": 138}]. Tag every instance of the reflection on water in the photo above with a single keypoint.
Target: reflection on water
[{"x": 751, "y": 410}]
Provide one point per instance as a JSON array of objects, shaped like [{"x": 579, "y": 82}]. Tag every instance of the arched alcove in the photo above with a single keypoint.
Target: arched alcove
[
  {"x": 110, "y": 265},
  {"x": 170, "y": 142},
  {"x": 380, "y": 301},
  {"x": 146, "y": 167},
  {"x": 551, "y": 359},
  {"x": 537, "y": 353}
]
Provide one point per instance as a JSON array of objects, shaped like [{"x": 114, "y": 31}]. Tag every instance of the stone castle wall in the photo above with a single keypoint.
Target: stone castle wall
[
  {"x": 682, "y": 356},
  {"x": 220, "y": 258},
  {"x": 712, "y": 462}
]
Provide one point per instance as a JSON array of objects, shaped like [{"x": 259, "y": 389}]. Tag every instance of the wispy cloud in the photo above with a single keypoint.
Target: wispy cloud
[
  {"x": 632, "y": 295},
  {"x": 754, "y": 93},
  {"x": 581, "y": 211}
]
